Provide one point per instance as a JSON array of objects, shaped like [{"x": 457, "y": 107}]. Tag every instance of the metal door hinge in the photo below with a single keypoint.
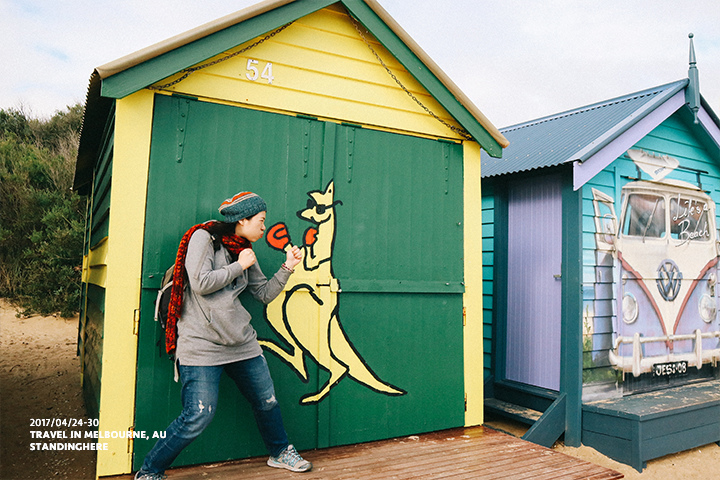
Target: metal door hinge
[
  {"x": 136, "y": 322},
  {"x": 466, "y": 402},
  {"x": 181, "y": 129},
  {"x": 464, "y": 316}
]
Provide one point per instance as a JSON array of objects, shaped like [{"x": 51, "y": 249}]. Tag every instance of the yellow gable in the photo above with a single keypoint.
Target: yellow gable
[{"x": 323, "y": 65}]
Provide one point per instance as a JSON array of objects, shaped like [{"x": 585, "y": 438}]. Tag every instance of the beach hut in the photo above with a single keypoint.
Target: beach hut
[
  {"x": 601, "y": 245},
  {"x": 368, "y": 157}
]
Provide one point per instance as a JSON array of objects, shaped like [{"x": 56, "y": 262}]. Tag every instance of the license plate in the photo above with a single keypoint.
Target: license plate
[{"x": 669, "y": 369}]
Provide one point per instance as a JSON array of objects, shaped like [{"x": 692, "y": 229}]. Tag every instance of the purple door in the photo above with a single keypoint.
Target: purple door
[{"x": 534, "y": 282}]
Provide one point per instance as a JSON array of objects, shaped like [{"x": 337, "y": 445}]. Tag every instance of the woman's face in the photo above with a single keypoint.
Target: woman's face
[{"x": 251, "y": 228}]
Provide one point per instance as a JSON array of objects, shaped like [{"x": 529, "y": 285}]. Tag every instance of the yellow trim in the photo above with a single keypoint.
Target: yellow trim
[
  {"x": 95, "y": 264},
  {"x": 85, "y": 269},
  {"x": 472, "y": 299},
  {"x": 323, "y": 68},
  {"x": 133, "y": 126}
]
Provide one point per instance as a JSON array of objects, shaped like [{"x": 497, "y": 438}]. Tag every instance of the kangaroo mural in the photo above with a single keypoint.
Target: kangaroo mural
[{"x": 293, "y": 316}]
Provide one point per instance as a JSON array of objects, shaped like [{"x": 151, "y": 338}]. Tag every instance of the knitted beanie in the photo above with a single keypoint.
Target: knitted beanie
[{"x": 242, "y": 205}]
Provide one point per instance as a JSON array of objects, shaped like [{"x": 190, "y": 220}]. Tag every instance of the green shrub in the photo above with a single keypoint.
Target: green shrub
[{"x": 41, "y": 219}]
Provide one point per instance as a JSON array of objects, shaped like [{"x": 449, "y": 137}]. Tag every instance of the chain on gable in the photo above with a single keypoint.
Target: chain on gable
[
  {"x": 186, "y": 72},
  {"x": 460, "y": 131}
]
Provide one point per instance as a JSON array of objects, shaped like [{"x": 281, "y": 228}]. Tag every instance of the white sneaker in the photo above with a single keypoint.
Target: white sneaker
[
  {"x": 291, "y": 460},
  {"x": 149, "y": 476}
]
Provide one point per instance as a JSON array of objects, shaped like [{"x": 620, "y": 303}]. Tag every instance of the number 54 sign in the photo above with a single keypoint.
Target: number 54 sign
[{"x": 253, "y": 71}]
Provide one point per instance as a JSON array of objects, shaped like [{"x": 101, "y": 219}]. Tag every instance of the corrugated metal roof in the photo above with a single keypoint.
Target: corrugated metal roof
[{"x": 576, "y": 134}]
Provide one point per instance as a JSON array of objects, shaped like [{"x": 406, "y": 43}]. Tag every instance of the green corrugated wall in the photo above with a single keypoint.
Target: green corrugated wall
[{"x": 397, "y": 255}]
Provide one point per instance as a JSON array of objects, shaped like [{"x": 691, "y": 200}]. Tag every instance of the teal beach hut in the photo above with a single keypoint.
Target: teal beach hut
[{"x": 601, "y": 274}]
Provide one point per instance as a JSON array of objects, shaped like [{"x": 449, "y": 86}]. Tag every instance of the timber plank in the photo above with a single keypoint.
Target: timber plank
[
  {"x": 641, "y": 427},
  {"x": 658, "y": 403},
  {"x": 476, "y": 453}
]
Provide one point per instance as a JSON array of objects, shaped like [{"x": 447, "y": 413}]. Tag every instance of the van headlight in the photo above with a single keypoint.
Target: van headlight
[
  {"x": 630, "y": 308},
  {"x": 707, "y": 307}
]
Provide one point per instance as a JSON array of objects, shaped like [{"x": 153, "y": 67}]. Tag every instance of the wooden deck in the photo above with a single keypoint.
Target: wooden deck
[{"x": 465, "y": 453}]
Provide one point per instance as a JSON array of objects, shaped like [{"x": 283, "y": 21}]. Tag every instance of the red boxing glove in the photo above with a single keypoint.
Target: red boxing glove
[
  {"x": 277, "y": 236},
  {"x": 310, "y": 236}
]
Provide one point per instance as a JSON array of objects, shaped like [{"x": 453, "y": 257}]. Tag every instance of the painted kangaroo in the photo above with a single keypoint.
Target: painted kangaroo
[{"x": 312, "y": 289}]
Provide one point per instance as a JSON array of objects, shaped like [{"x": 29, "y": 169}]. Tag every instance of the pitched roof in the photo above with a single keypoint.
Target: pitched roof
[
  {"x": 575, "y": 134},
  {"x": 284, "y": 11},
  {"x": 133, "y": 72}
]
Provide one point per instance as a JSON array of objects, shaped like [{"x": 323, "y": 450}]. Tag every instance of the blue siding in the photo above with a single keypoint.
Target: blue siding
[{"x": 488, "y": 248}]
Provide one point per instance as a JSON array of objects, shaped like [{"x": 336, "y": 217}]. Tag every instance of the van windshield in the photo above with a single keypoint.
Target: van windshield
[
  {"x": 689, "y": 219},
  {"x": 644, "y": 216}
]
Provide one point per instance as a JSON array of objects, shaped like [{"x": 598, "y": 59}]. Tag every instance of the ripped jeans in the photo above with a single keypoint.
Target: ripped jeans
[{"x": 199, "y": 399}]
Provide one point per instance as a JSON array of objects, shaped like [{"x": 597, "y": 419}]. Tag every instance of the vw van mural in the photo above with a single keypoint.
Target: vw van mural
[{"x": 661, "y": 257}]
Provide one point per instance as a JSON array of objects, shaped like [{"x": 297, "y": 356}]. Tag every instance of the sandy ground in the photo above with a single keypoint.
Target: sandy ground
[{"x": 40, "y": 379}]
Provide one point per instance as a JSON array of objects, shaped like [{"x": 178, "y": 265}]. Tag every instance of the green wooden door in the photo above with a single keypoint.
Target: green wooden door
[
  {"x": 398, "y": 258},
  {"x": 395, "y": 257}
]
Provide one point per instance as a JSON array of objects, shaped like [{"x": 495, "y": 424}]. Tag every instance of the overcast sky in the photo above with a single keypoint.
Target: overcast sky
[{"x": 515, "y": 59}]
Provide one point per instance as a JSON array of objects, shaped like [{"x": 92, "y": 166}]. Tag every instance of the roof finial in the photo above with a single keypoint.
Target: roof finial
[
  {"x": 693, "y": 61},
  {"x": 692, "y": 93}
]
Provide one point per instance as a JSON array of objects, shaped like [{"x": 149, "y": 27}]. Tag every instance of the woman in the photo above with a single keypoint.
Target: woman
[{"x": 214, "y": 332}]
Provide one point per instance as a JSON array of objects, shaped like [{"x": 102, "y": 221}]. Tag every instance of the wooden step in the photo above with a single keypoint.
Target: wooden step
[{"x": 510, "y": 410}]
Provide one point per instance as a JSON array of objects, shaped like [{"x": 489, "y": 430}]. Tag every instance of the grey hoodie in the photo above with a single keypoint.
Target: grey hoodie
[{"x": 214, "y": 328}]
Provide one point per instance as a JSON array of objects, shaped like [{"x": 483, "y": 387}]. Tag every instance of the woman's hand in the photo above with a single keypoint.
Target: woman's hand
[
  {"x": 246, "y": 258},
  {"x": 293, "y": 257}
]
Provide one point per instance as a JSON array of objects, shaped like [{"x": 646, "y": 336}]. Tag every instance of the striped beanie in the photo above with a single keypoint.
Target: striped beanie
[{"x": 242, "y": 205}]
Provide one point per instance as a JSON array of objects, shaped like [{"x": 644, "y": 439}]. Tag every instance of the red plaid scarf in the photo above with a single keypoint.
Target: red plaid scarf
[{"x": 233, "y": 243}]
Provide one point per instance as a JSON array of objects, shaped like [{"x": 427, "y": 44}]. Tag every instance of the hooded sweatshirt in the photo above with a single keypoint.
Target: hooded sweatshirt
[{"x": 214, "y": 327}]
